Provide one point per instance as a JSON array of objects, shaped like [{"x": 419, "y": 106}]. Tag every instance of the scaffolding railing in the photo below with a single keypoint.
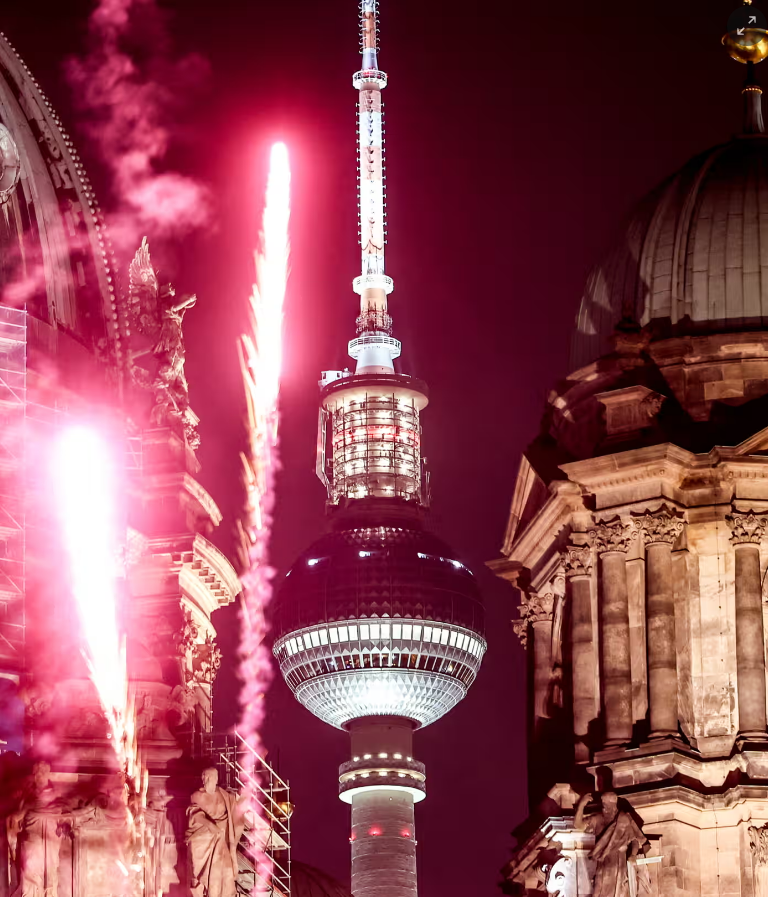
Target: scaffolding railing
[
  {"x": 232, "y": 756},
  {"x": 13, "y": 401}
]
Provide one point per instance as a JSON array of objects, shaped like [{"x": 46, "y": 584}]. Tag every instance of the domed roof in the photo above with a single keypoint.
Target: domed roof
[
  {"x": 378, "y": 571},
  {"x": 693, "y": 257},
  {"x": 306, "y": 881},
  {"x": 53, "y": 247}
]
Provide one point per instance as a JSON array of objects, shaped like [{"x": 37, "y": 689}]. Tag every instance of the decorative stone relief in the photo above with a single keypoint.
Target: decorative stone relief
[
  {"x": 658, "y": 526},
  {"x": 746, "y": 527},
  {"x": 184, "y": 638},
  {"x": 610, "y": 536},
  {"x": 534, "y": 609},
  {"x": 157, "y": 315},
  {"x": 629, "y": 410},
  {"x": 758, "y": 844},
  {"x": 206, "y": 660},
  {"x": 577, "y": 560}
]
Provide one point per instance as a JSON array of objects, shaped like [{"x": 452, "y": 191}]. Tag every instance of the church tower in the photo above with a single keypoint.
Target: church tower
[{"x": 638, "y": 542}]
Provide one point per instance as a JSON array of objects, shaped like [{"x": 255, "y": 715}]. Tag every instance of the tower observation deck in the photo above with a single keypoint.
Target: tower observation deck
[{"x": 378, "y": 627}]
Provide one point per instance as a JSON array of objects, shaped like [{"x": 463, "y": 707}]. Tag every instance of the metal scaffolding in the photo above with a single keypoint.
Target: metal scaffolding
[
  {"x": 230, "y": 754},
  {"x": 13, "y": 401}
]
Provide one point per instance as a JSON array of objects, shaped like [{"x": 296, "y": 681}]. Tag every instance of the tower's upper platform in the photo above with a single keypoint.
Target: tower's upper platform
[{"x": 691, "y": 259}]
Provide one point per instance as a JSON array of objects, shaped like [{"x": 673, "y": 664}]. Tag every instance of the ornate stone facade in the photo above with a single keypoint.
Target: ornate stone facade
[{"x": 650, "y": 484}]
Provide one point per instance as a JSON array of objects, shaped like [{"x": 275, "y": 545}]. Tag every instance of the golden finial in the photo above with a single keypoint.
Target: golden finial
[{"x": 747, "y": 38}]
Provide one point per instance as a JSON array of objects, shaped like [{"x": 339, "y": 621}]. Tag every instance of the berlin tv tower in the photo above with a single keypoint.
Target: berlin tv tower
[{"x": 378, "y": 628}]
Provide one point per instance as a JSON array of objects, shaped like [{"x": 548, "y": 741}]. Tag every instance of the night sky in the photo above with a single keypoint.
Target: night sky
[{"x": 518, "y": 136}]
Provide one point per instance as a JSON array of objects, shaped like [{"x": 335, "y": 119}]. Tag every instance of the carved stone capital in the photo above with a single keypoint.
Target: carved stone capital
[
  {"x": 660, "y": 526},
  {"x": 746, "y": 527},
  {"x": 577, "y": 560},
  {"x": 610, "y": 536},
  {"x": 534, "y": 609}
]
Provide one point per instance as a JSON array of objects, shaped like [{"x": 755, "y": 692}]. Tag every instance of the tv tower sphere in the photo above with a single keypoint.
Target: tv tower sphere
[{"x": 378, "y": 626}]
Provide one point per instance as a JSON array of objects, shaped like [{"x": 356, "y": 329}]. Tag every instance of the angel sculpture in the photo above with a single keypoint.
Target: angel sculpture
[{"x": 156, "y": 315}]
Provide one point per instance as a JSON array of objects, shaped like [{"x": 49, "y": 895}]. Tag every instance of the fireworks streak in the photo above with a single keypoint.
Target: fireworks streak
[
  {"x": 86, "y": 492},
  {"x": 260, "y": 360}
]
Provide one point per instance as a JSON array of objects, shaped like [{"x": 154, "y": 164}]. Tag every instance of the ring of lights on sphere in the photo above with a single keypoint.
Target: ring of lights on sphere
[{"x": 378, "y": 621}]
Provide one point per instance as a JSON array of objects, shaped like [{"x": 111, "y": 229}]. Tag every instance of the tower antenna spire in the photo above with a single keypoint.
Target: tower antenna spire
[{"x": 374, "y": 348}]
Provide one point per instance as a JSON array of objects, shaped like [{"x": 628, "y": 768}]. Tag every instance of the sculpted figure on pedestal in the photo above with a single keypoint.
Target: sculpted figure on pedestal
[
  {"x": 619, "y": 840},
  {"x": 34, "y": 834},
  {"x": 214, "y": 826},
  {"x": 758, "y": 843},
  {"x": 157, "y": 315},
  {"x": 160, "y": 851}
]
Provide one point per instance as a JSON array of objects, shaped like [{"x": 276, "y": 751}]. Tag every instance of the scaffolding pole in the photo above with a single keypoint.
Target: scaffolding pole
[{"x": 13, "y": 402}]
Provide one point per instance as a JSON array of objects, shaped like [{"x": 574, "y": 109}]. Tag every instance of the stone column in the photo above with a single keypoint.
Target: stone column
[
  {"x": 611, "y": 541},
  {"x": 747, "y": 533},
  {"x": 536, "y": 612},
  {"x": 578, "y": 570},
  {"x": 659, "y": 531}
]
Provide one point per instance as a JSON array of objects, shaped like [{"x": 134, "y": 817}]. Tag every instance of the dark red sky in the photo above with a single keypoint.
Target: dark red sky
[{"x": 517, "y": 138}]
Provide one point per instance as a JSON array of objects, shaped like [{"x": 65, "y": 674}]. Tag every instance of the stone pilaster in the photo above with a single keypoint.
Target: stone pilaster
[
  {"x": 536, "y": 613},
  {"x": 578, "y": 570},
  {"x": 659, "y": 531},
  {"x": 611, "y": 541},
  {"x": 747, "y": 531}
]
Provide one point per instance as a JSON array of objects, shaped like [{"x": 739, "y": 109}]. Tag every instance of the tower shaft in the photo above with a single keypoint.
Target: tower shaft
[
  {"x": 383, "y": 846},
  {"x": 374, "y": 783}
]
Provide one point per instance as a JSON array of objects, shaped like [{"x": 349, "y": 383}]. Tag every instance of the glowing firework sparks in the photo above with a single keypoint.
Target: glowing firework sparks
[
  {"x": 86, "y": 491},
  {"x": 260, "y": 360}
]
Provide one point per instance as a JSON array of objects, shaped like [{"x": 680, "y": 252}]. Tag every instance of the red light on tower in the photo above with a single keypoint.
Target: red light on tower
[
  {"x": 406, "y": 833},
  {"x": 374, "y": 830},
  {"x": 353, "y": 837}
]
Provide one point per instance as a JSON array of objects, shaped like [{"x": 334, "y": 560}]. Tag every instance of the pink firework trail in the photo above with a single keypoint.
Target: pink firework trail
[
  {"x": 86, "y": 493},
  {"x": 261, "y": 361}
]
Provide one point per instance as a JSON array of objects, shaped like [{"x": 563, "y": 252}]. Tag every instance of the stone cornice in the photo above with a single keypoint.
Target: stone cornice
[
  {"x": 665, "y": 470},
  {"x": 207, "y": 577},
  {"x": 536, "y": 539},
  {"x": 746, "y": 527},
  {"x": 665, "y": 461},
  {"x": 610, "y": 536}
]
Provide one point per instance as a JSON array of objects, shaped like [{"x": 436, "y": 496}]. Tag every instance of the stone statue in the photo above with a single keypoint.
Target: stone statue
[
  {"x": 34, "y": 834},
  {"x": 758, "y": 843},
  {"x": 160, "y": 854},
  {"x": 214, "y": 825},
  {"x": 155, "y": 313},
  {"x": 619, "y": 839}
]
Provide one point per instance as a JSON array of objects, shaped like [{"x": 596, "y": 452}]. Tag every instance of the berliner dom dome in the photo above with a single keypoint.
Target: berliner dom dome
[
  {"x": 692, "y": 257},
  {"x": 54, "y": 253}
]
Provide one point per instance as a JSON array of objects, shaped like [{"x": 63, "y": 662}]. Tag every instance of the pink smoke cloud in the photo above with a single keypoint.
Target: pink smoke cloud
[{"x": 127, "y": 90}]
